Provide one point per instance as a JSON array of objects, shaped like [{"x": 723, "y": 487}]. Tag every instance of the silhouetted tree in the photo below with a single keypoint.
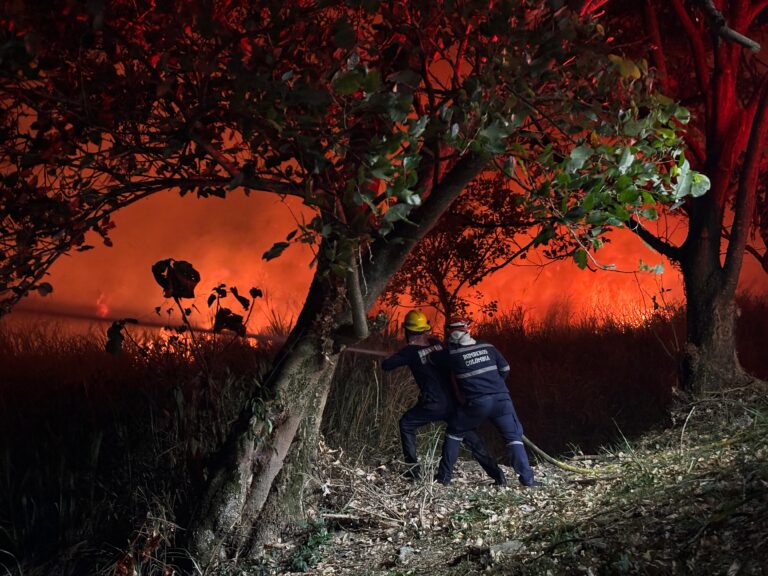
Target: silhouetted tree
[{"x": 490, "y": 226}]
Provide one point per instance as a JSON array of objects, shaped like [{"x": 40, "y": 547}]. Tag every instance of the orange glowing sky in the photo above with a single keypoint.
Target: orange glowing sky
[{"x": 225, "y": 239}]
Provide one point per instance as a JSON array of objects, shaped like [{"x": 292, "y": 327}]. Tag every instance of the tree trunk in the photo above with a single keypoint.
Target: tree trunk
[
  {"x": 243, "y": 503},
  {"x": 710, "y": 361},
  {"x": 284, "y": 502},
  {"x": 254, "y": 490}
]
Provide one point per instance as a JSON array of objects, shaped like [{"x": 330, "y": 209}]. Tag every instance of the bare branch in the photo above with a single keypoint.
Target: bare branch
[
  {"x": 697, "y": 46},
  {"x": 664, "y": 248},
  {"x": 721, "y": 28},
  {"x": 755, "y": 11},
  {"x": 512, "y": 257},
  {"x": 657, "y": 47}
]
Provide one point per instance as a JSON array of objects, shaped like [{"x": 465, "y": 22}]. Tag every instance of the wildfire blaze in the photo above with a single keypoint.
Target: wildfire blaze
[{"x": 225, "y": 241}]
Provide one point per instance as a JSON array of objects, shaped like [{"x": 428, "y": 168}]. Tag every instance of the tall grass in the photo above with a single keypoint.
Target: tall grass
[
  {"x": 91, "y": 444},
  {"x": 102, "y": 455},
  {"x": 577, "y": 381}
]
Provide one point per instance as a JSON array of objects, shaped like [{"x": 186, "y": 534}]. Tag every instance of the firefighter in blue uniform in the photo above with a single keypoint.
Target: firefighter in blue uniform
[
  {"x": 480, "y": 371},
  {"x": 436, "y": 397}
]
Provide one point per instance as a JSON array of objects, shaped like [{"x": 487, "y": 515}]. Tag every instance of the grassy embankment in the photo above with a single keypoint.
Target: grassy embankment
[{"x": 102, "y": 455}]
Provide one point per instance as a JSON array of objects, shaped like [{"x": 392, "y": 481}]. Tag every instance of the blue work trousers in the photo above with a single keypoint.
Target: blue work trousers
[
  {"x": 426, "y": 413},
  {"x": 498, "y": 409}
]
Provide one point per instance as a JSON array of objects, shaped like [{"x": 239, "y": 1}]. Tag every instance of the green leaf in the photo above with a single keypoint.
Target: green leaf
[
  {"x": 493, "y": 136},
  {"x": 627, "y": 158},
  {"x": 580, "y": 257},
  {"x": 348, "y": 82},
  {"x": 629, "y": 195},
  {"x": 275, "y": 251},
  {"x": 683, "y": 115},
  {"x": 627, "y": 68},
  {"x": 546, "y": 233},
  {"x": 596, "y": 217},
  {"x": 667, "y": 133},
  {"x": 414, "y": 200},
  {"x": 372, "y": 81},
  {"x": 418, "y": 127},
  {"x": 684, "y": 180},
  {"x": 700, "y": 184},
  {"x": 620, "y": 213},
  {"x": 397, "y": 212},
  {"x": 578, "y": 157}
]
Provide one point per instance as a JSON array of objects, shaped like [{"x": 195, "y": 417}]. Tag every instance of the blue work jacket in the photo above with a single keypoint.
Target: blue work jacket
[
  {"x": 479, "y": 368},
  {"x": 433, "y": 381}
]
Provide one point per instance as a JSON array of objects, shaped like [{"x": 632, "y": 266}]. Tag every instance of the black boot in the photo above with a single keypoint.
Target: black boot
[{"x": 413, "y": 472}]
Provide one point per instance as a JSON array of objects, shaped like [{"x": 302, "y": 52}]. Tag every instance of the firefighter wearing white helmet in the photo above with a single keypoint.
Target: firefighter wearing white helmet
[
  {"x": 436, "y": 402},
  {"x": 480, "y": 371}
]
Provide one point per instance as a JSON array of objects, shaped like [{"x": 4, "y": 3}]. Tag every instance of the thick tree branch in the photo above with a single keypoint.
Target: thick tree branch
[
  {"x": 592, "y": 6},
  {"x": 657, "y": 48},
  {"x": 746, "y": 195},
  {"x": 761, "y": 258},
  {"x": 721, "y": 28},
  {"x": 664, "y": 248},
  {"x": 751, "y": 250},
  {"x": 755, "y": 11},
  {"x": 698, "y": 48},
  {"x": 390, "y": 253},
  {"x": 238, "y": 176}
]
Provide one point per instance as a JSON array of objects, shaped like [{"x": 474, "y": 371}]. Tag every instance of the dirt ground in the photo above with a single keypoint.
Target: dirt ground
[{"x": 689, "y": 499}]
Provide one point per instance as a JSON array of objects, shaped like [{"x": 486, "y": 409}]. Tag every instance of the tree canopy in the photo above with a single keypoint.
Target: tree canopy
[{"x": 357, "y": 108}]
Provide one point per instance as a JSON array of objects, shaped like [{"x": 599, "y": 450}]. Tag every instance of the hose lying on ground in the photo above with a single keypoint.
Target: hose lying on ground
[{"x": 558, "y": 463}]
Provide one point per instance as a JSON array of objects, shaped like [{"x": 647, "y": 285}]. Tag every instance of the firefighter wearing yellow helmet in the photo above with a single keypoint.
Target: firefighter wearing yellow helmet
[
  {"x": 416, "y": 321},
  {"x": 437, "y": 401}
]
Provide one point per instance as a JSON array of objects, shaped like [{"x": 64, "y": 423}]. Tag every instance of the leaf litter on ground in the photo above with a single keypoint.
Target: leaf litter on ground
[{"x": 689, "y": 499}]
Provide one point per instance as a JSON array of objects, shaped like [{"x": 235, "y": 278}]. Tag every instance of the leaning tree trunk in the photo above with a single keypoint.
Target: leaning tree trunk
[
  {"x": 255, "y": 486},
  {"x": 262, "y": 443}
]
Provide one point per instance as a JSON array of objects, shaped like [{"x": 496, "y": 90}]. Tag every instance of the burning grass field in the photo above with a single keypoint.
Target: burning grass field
[{"x": 101, "y": 456}]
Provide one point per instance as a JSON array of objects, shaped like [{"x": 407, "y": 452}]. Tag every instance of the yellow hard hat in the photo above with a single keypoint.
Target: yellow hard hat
[{"x": 416, "y": 321}]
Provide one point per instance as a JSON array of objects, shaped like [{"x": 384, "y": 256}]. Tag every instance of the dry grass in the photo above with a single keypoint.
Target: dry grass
[
  {"x": 96, "y": 447},
  {"x": 98, "y": 450}
]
